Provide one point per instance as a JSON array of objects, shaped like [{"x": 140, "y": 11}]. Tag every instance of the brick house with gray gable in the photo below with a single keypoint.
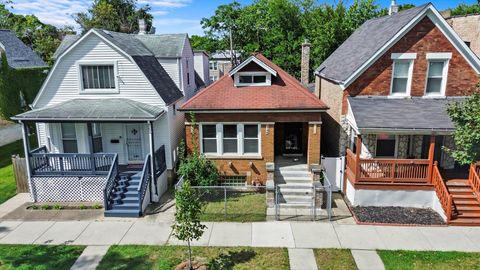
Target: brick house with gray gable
[{"x": 388, "y": 86}]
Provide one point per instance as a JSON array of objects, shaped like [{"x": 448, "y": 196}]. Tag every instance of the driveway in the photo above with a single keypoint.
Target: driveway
[{"x": 10, "y": 133}]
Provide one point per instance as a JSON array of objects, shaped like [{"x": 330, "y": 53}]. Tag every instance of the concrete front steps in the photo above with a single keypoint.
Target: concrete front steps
[
  {"x": 124, "y": 199},
  {"x": 466, "y": 203},
  {"x": 295, "y": 186}
]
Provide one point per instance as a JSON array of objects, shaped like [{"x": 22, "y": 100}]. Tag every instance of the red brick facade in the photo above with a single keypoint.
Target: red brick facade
[
  {"x": 255, "y": 168},
  {"x": 424, "y": 38}
]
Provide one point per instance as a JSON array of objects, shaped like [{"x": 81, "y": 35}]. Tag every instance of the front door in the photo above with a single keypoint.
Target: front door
[
  {"x": 134, "y": 143},
  {"x": 292, "y": 143}
]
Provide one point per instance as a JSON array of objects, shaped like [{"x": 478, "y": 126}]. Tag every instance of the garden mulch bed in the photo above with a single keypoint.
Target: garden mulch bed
[{"x": 397, "y": 215}]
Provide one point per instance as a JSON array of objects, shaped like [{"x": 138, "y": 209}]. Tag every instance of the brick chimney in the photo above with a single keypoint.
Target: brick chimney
[
  {"x": 142, "y": 27},
  {"x": 305, "y": 65},
  {"x": 393, "y": 7}
]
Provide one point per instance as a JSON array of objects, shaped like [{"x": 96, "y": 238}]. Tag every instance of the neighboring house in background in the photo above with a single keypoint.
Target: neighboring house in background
[
  {"x": 221, "y": 63},
  {"x": 388, "y": 87},
  {"x": 106, "y": 118},
  {"x": 18, "y": 54},
  {"x": 202, "y": 67},
  {"x": 468, "y": 28},
  {"x": 256, "y": 119}
]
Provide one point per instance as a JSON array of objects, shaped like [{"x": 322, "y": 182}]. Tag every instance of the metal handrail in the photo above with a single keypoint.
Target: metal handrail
[
  {"x": 111, "y": 179},
  {"x": 145, "y": 180},
  {"x": 179, "y": 184}
]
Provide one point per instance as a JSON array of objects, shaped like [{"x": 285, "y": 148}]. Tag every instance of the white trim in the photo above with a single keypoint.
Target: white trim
[
  {"x": 240, "y": 137},
  {"x": 409, "y": 78},
  {"x": 404, "y": 56},
  {"x": 268, "y": 78},
  {"x": 439, "y": 56},
  {"x": 443, "y": 87},
  {"x": 257, "y": 61},
  {"x": 81, "y": 88},
  {"x": 444, "y": 27}
]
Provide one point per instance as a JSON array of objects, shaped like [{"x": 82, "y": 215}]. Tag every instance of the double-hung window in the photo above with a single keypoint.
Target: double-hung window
[
  {"x": 98, "y": 77},
  {"x": 213, "y": 65},
  {"x": 230, "y": 139},
  {"x": 437, "y": 73},
  {"x": 209, "y": 139},
  {"x": 401, "y": 78},
  {"x": 69, "y": 138}
]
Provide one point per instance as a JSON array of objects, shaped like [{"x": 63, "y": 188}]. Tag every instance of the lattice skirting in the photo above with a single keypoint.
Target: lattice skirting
[{"x": 68, "y": 189}]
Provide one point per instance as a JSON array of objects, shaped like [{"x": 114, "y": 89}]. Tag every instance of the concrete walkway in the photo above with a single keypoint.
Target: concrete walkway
[
  {"x": 302, "y": 259},
  {"x": 90, "y": 258},
  {"x": 367, "y": 260},
  {"x": 10, "y": 133},
  {"x": 261, "y": 234}
]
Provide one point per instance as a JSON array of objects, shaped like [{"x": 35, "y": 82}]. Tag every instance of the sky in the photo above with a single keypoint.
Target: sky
[{"x": 170, "y": 16}]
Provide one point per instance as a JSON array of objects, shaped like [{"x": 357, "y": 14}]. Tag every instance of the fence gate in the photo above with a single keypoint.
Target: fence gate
[
  {"x": 334, "y": 170},
  {"x": 20, "y": 172}
]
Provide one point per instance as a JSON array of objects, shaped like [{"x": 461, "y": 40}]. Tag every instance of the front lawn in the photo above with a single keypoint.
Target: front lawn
[
  {"x": 428, "y": 260},
  {"x": 241, "y": 207},
  {"x": 334, "y": 259},
  {"x": 7, "y": 179},
  {"x": 167, "y": 257},
  {"x": 38, "y": 257}
]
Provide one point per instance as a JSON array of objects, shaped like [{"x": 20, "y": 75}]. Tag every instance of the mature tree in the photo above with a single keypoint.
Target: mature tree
[
  {"x": 42, "y": 38},
  {"x": 466, "y": 117},
  {"x": 114, "y": 15},
  {"x": 187, "y": 225},
  {"x": 464, "y": 9},
  {"x": 205, "y": 43}
]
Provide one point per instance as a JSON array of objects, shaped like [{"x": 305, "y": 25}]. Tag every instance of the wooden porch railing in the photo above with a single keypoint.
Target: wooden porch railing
[
  {"x": 445, "y": 198},
  {"x": 49, "y": 164},
  {"x": 394, "y": 171},
  {"x": 474, "y": 178}
]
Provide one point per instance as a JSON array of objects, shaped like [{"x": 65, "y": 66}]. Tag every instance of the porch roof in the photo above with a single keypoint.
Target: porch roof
[
  {"x": 408, "y": 114},
  {"x": 111, "y": 110}
]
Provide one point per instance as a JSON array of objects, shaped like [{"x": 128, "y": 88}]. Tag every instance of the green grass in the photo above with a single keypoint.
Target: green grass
[
  {"x": 7, "y": 180},
  {"x": 241, "y": 207},
  {"x": 333, "y": 259},
  {"x": 38, "y": 257},
  {"x": 167, "y": 257},
  {"x": 429, "y": 260}
]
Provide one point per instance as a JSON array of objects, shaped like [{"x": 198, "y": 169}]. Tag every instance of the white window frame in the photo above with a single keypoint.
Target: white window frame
[
  {"x": 240, "y": 136},
  {"x": 213, "y": 64},
  {"x": 82, "y": 90},
  {"x": 403, "y": 57},
  {"x": 62, "y": 138},
  {"x": 268, "y": 80},
  {"x": 438, "y": 57},
  {"x": 396, "y": 147}
]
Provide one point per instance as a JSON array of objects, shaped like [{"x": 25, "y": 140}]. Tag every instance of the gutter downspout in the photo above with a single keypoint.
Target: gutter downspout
[{"x": 152, "y": 163}]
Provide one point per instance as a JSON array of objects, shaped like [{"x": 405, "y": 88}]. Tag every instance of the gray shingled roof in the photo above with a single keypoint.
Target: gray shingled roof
[
  {"x": 143, "y": 57},
  {"x": 112, "y": 109},
  {"x": 164, "y": 45},
  {"x": 414, "y": 113},
  {"x": 18, "y": 54},
  {"x": 364, "y": 43}
]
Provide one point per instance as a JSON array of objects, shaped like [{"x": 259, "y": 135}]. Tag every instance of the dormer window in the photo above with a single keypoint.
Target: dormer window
[{"x": 252, "y": 78}]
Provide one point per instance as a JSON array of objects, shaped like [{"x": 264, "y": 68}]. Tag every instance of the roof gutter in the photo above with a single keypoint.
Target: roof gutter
[
  {"x": 66, "y": 119},
  {"x": 406, "y": 130},
  {"x": 251, "y": 110}
]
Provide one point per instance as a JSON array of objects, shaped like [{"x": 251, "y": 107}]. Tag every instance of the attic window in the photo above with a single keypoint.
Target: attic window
[
  {"x": 252, "y": 79},
  {"x": 97, "y": 77}
]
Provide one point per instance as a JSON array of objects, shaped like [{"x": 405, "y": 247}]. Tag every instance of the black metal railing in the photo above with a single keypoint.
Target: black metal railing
[
  {"x": 112, "y": 178},
  {"x": 145, "y": 181},
  {"x": 160, "y": 161},
  {"x": 70, "y": 164}
]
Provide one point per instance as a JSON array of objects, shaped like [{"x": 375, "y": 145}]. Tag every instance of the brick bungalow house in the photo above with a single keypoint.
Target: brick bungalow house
[
  {"x": 388, "y": 86},
  {"x": 255, "y": 116}
]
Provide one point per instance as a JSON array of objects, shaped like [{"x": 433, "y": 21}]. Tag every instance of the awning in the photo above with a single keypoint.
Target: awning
[
  {"x": 401, "y": 114},
  {"x": 110, "y": 110}
]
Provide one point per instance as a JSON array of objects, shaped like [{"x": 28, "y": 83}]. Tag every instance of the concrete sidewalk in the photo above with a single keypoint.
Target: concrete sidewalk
[{"x": 260, "y": 234}]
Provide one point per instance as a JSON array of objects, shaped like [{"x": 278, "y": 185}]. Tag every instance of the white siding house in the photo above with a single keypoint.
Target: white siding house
[{"x": 111, "y": 99}]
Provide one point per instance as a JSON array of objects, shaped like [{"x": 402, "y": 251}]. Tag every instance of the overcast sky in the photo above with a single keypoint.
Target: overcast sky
[{"x": 171, "y": 16}]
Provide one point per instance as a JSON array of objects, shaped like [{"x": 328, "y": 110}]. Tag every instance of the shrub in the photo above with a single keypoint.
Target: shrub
[{"x": 45, "y": 207}]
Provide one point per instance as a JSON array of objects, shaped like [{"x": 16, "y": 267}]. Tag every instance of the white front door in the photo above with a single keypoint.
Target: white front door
[{"x": 134, "y": 143}]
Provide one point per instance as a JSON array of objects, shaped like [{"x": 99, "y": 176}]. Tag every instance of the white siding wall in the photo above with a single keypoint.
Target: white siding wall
[
  {"x": 187, "y": 55},
  {"x": 163, "y": 138},
  {"x": 172, "y": 67},
  {"x": 64, "y": 82},
  {"x": 41, "y": 134},
  {"x": 201, "y": 67}
]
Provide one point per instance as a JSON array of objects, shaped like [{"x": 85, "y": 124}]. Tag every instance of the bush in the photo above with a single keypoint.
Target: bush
[{"x": 195, "y": 167}]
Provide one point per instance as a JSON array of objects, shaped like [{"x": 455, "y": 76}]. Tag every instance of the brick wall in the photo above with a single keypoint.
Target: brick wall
[{"x": 424, "y": 38}]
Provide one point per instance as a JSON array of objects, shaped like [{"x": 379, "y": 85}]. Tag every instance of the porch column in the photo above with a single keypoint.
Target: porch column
[
  {"x": 90, "y": 147},
  {"x": 431, "y": 156},
  {"x": 152, "y": 159},
  {"x": 26, "y": 148},
  {"x": 358, "y": 152},
  {"x": 313, "y": 149}
]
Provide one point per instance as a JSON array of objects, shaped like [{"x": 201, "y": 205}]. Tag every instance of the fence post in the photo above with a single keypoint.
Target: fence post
[{"x": 225, "y": 197}]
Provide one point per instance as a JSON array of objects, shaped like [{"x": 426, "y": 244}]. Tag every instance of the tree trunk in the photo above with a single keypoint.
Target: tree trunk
[{"x": 189, "y": 254}]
